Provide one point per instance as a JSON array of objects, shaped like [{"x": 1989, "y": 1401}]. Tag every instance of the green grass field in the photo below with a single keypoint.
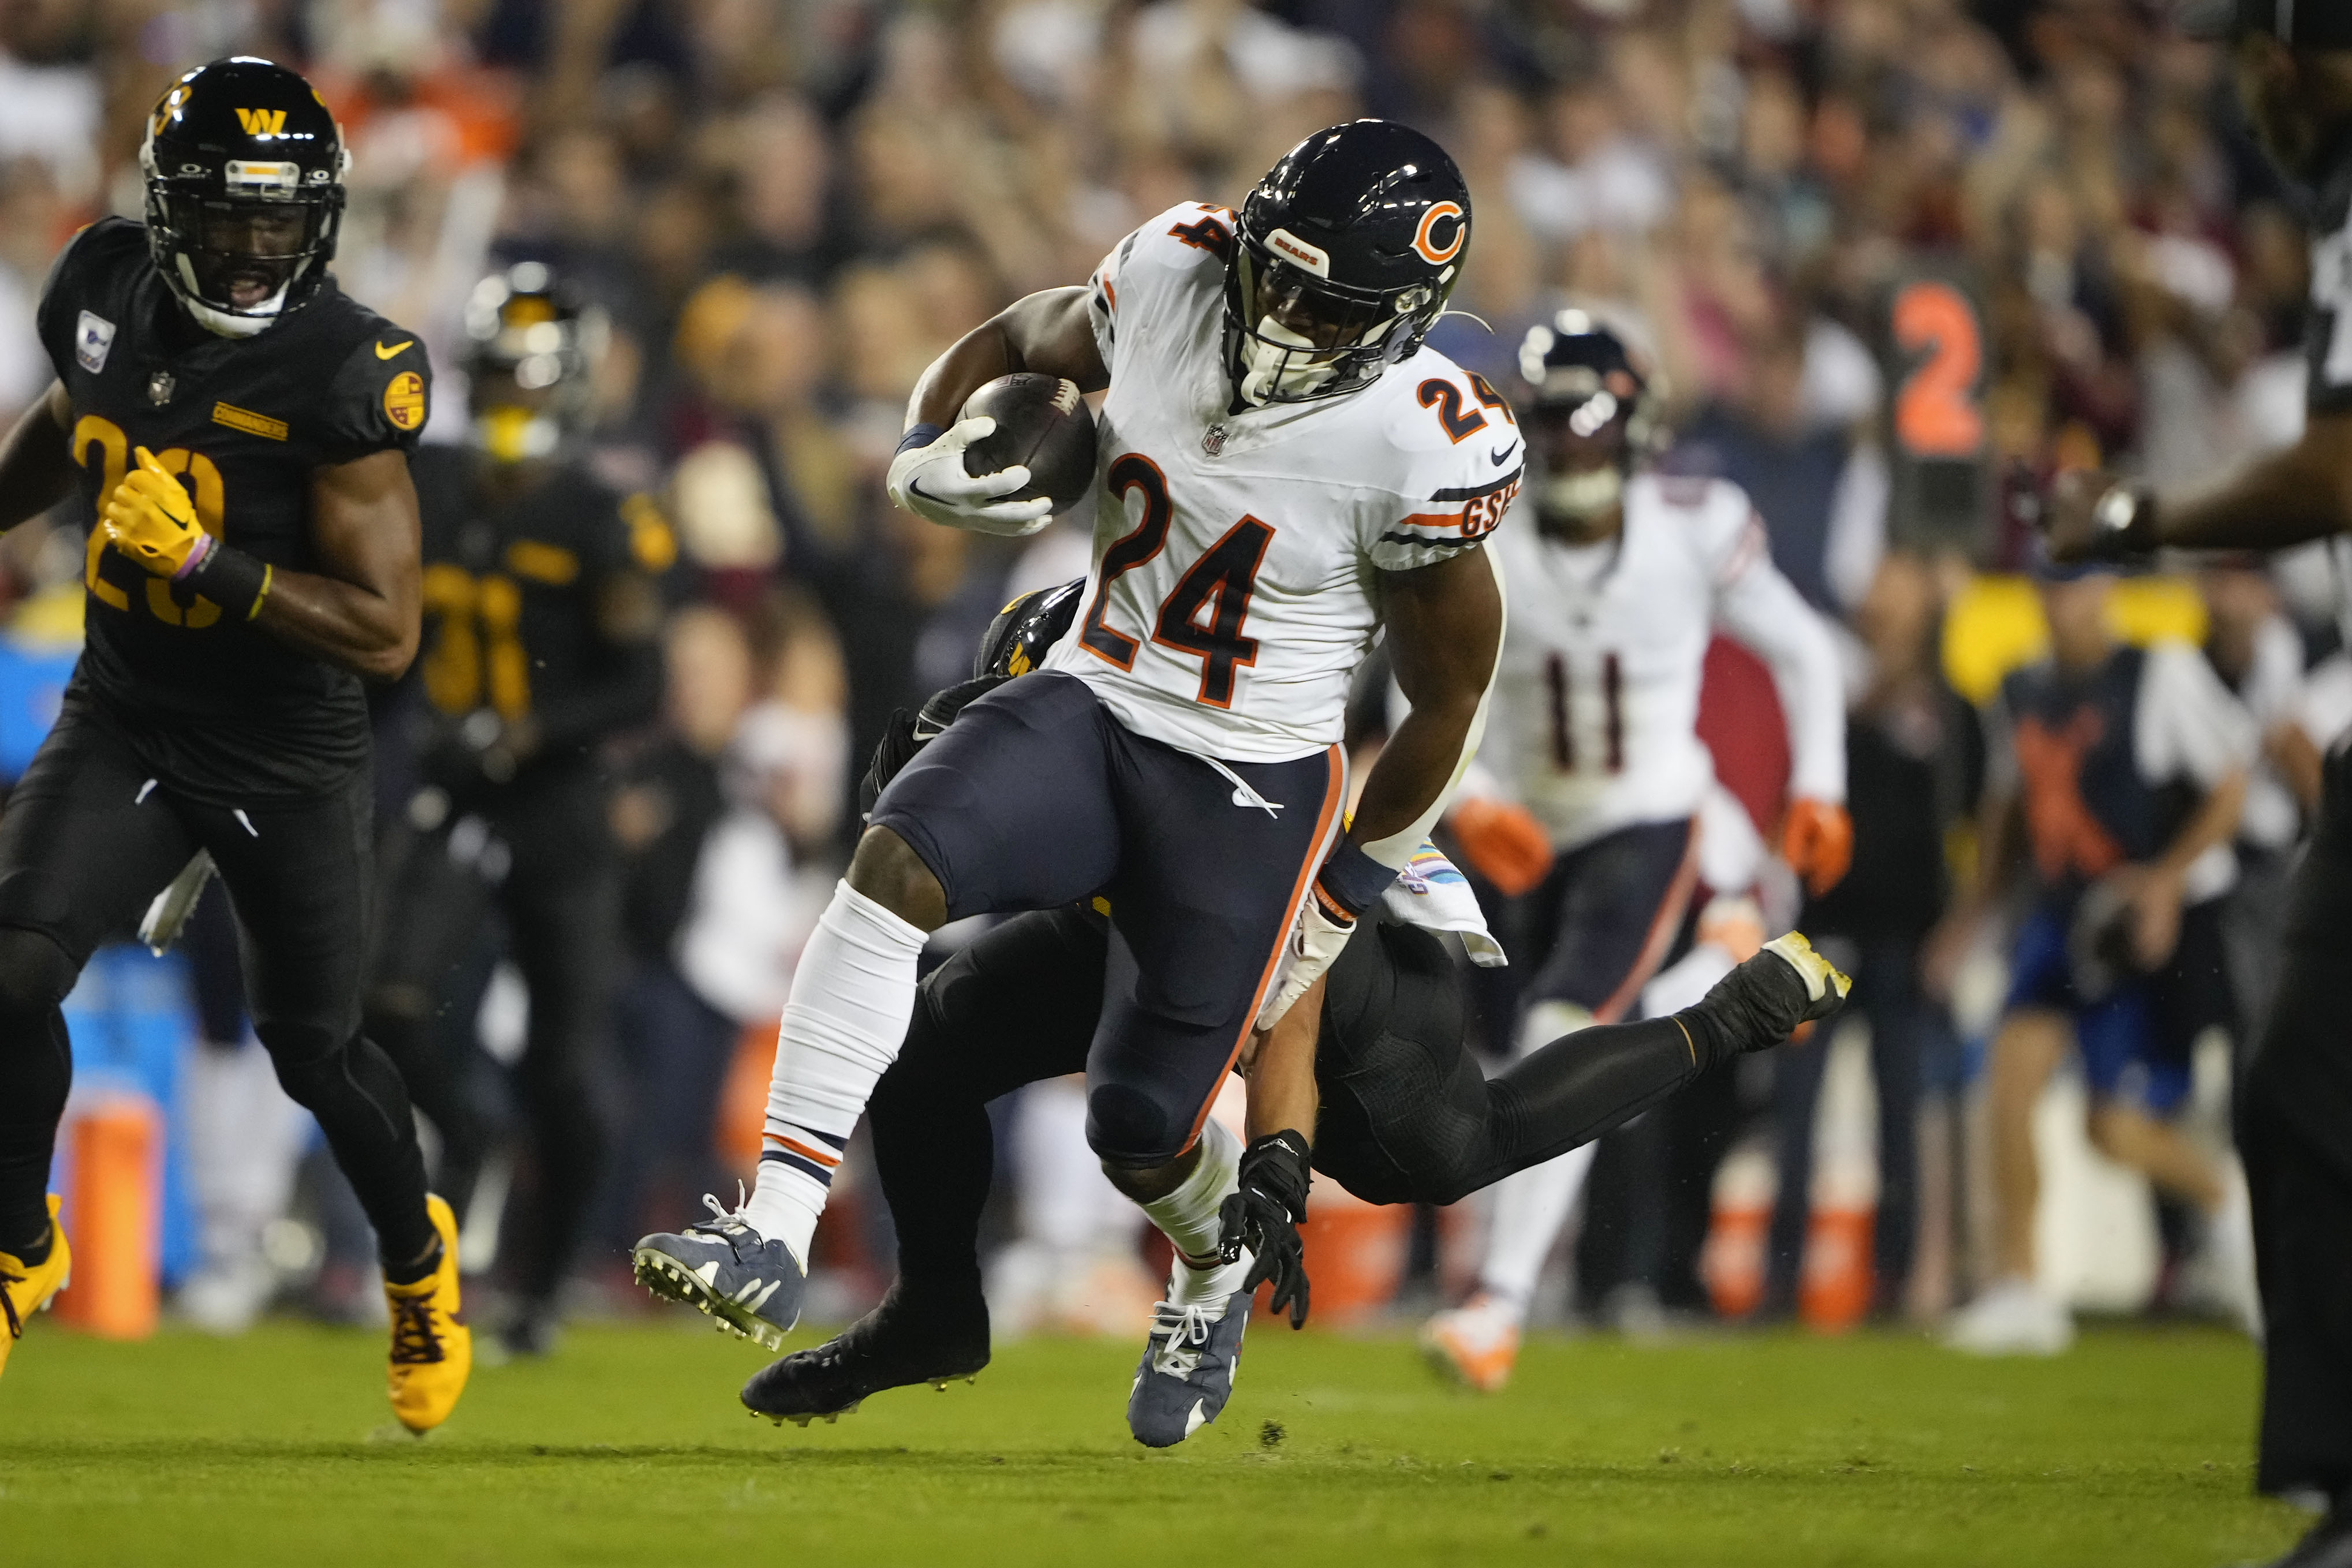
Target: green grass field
[{"x": 628, "y": 1448}]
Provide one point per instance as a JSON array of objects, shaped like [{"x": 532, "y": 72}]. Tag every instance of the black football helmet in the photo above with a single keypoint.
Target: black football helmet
[
  {"x": 1016, "y": 642},
  {"x": 1584, "y": 391},
  {"x": 531, "y": 343},
  {"x": 1344, "y": 258},
  {"x": 244, "y": 174}
]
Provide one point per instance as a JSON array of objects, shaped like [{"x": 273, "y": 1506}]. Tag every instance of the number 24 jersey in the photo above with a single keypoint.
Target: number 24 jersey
[{"x": 1234, "y": 590}]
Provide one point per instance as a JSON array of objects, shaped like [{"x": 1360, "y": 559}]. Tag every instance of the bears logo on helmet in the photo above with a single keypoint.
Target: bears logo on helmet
[{"x": 1344, "y": 256}]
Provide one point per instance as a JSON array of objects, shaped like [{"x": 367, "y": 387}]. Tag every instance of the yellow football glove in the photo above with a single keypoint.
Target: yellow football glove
[{"x": 151, "y": 518}]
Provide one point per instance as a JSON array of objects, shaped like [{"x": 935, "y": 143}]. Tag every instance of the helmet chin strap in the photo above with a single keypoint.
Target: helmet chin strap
[{"x": 230, "y": 323}]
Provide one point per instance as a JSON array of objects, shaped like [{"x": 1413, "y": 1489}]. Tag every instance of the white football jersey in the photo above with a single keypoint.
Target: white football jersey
[
  {"x": 1232, "y": 591},
  {"x": 1596, "y": 702}
]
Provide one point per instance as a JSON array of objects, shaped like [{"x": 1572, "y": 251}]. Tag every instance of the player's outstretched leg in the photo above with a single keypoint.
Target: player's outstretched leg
[
  {"x": 29, "y": 1287},
  {"x": 912, "y": 1337},
  {"x": 432, "y": 1349},
  {"x": 723, "y": 1268}
]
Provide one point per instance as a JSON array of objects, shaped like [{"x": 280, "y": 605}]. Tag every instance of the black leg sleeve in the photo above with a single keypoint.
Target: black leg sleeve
[
  {"x": 2303, "y": 1248},
  {"x": 36, "y": 1072},
  {"x": 1407, "y": 1116},
  {"x": 1577, "y": 1088},
  {"x": 363, "y": 1108},
  {"x": 1017, "y": 1005},
  {"x": 565, "y": 934}
]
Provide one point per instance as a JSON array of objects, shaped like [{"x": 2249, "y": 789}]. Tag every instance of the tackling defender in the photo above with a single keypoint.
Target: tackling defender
[
  {"x": 1372, "y": 1066},
  {"x": 1617, "y": 580},
  {"x": 240, "y": 431},
  {"x": 1283, "y": 469}
]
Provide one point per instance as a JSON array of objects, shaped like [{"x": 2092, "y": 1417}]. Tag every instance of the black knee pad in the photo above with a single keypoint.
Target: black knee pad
[
  {"x": 36, "y": 973},
  {"x": 1127, "y": 1127}
]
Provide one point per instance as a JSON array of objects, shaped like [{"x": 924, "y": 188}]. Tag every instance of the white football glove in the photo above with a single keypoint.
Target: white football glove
[
  {"x": 1315, "y": 941},
  {"x": 929, "y": 481}
]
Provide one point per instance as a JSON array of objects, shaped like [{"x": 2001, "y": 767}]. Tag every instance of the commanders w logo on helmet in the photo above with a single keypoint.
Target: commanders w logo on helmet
[{"x": 244, "y": 192}]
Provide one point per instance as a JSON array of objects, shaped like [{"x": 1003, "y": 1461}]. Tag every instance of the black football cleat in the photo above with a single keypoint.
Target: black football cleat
[
  {"x": 1784, "y": 985},
  {"x": 899, "y": 1343}
]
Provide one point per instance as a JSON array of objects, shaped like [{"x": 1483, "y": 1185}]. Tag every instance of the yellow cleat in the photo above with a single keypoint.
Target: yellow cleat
[
  {"x": 27, "y": 1290},
  {"x": 432, "y": 1349}
]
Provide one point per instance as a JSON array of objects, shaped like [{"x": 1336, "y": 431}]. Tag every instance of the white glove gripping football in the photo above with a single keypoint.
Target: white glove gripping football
[
  {"x": 1316, "y": 938},
  {"x": 929, "y": 480}
]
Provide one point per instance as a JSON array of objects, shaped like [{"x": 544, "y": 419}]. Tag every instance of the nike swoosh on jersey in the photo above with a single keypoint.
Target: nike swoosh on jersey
[
  {"x": 383, "y": 352},
  {"x": 1497, "y": 459}
]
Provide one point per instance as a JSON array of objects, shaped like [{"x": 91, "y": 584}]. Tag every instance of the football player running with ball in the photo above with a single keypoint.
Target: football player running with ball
[
  {"x": 1284, "y": 468},
  {"x": 1618, "y": 580},
  {"x": 238, "y": 431}
]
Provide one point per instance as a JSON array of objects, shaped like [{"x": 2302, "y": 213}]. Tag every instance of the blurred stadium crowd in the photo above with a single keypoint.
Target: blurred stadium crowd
[{"x": 787, "y": 207}]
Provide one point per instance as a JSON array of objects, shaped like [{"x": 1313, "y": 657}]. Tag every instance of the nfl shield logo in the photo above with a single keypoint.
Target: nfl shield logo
[
  {"x": 1213, "y": 440},
  {"x": 93, "y": 336},
  {"x": 159, "y": 388}
]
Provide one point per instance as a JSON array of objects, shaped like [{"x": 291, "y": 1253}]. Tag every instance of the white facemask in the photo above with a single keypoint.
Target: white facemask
[
  {"x": 1582, "y": 496},
  {"x": 1268, "y": 368}
]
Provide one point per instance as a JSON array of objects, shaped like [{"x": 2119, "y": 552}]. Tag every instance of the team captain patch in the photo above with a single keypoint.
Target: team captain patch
[
  {"x": 404, "y": 400},
  {"x": 246, "y": 420},
  {"x": 93, "y": 337}
]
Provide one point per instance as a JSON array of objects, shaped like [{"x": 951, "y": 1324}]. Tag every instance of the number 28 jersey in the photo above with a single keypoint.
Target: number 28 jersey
[
  {"x": 1234, "y": 590},
  {"x": 218, "y": 707}
]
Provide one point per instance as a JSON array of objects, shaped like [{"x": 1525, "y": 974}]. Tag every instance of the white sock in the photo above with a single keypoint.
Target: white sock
[
  {"x": 1531, "y": 1207},
  {"x": 853, "y": 994},
  {"x": 1188, "y": 1218}
]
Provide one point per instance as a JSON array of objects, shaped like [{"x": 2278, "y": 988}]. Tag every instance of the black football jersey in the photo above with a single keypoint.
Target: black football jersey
[
  {"x": 518, "y": 617},
  {"x": 221, "y": 709}
]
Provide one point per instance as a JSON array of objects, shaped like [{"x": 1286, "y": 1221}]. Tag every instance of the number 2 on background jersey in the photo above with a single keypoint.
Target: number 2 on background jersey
[
  {"x": 1224, "y": 575},
  {"x": 1563, "y": 730},
  {"x": 1936, "y": 412}
]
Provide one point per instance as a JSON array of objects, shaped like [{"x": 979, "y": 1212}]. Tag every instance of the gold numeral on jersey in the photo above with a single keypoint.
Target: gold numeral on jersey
[
  {"x": 479, "y": 641},
  {"x": 452, "y": 664},
  {"x": 116, "y": 447},
  {"x": 212, "y": 506},
  {"x": 204, "y": 479}
]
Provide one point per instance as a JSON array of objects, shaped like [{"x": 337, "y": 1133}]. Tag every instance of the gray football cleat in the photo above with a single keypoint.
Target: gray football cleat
[
  {"x": 1188, "y": 1370},
  {"x": 721, "y": 1267}
]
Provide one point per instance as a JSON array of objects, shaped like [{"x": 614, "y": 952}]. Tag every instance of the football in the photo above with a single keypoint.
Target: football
[{"x": 1043, "y": 422}]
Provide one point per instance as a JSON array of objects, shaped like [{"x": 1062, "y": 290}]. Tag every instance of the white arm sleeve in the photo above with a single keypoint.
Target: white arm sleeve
[
  {"x": 1857, "y": 541},
  {"x": 2186, "y": 724},
  {"x": 1757, "y": 606}
]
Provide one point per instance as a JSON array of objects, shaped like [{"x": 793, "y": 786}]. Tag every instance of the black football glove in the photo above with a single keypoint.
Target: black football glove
[
  {"x": 903, "y": 736},
  {"x": 1264, "y": 1218}
]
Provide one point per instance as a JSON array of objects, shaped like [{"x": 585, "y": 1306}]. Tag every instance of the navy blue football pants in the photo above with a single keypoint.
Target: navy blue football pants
[{"x": 1036, "y": 797}]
